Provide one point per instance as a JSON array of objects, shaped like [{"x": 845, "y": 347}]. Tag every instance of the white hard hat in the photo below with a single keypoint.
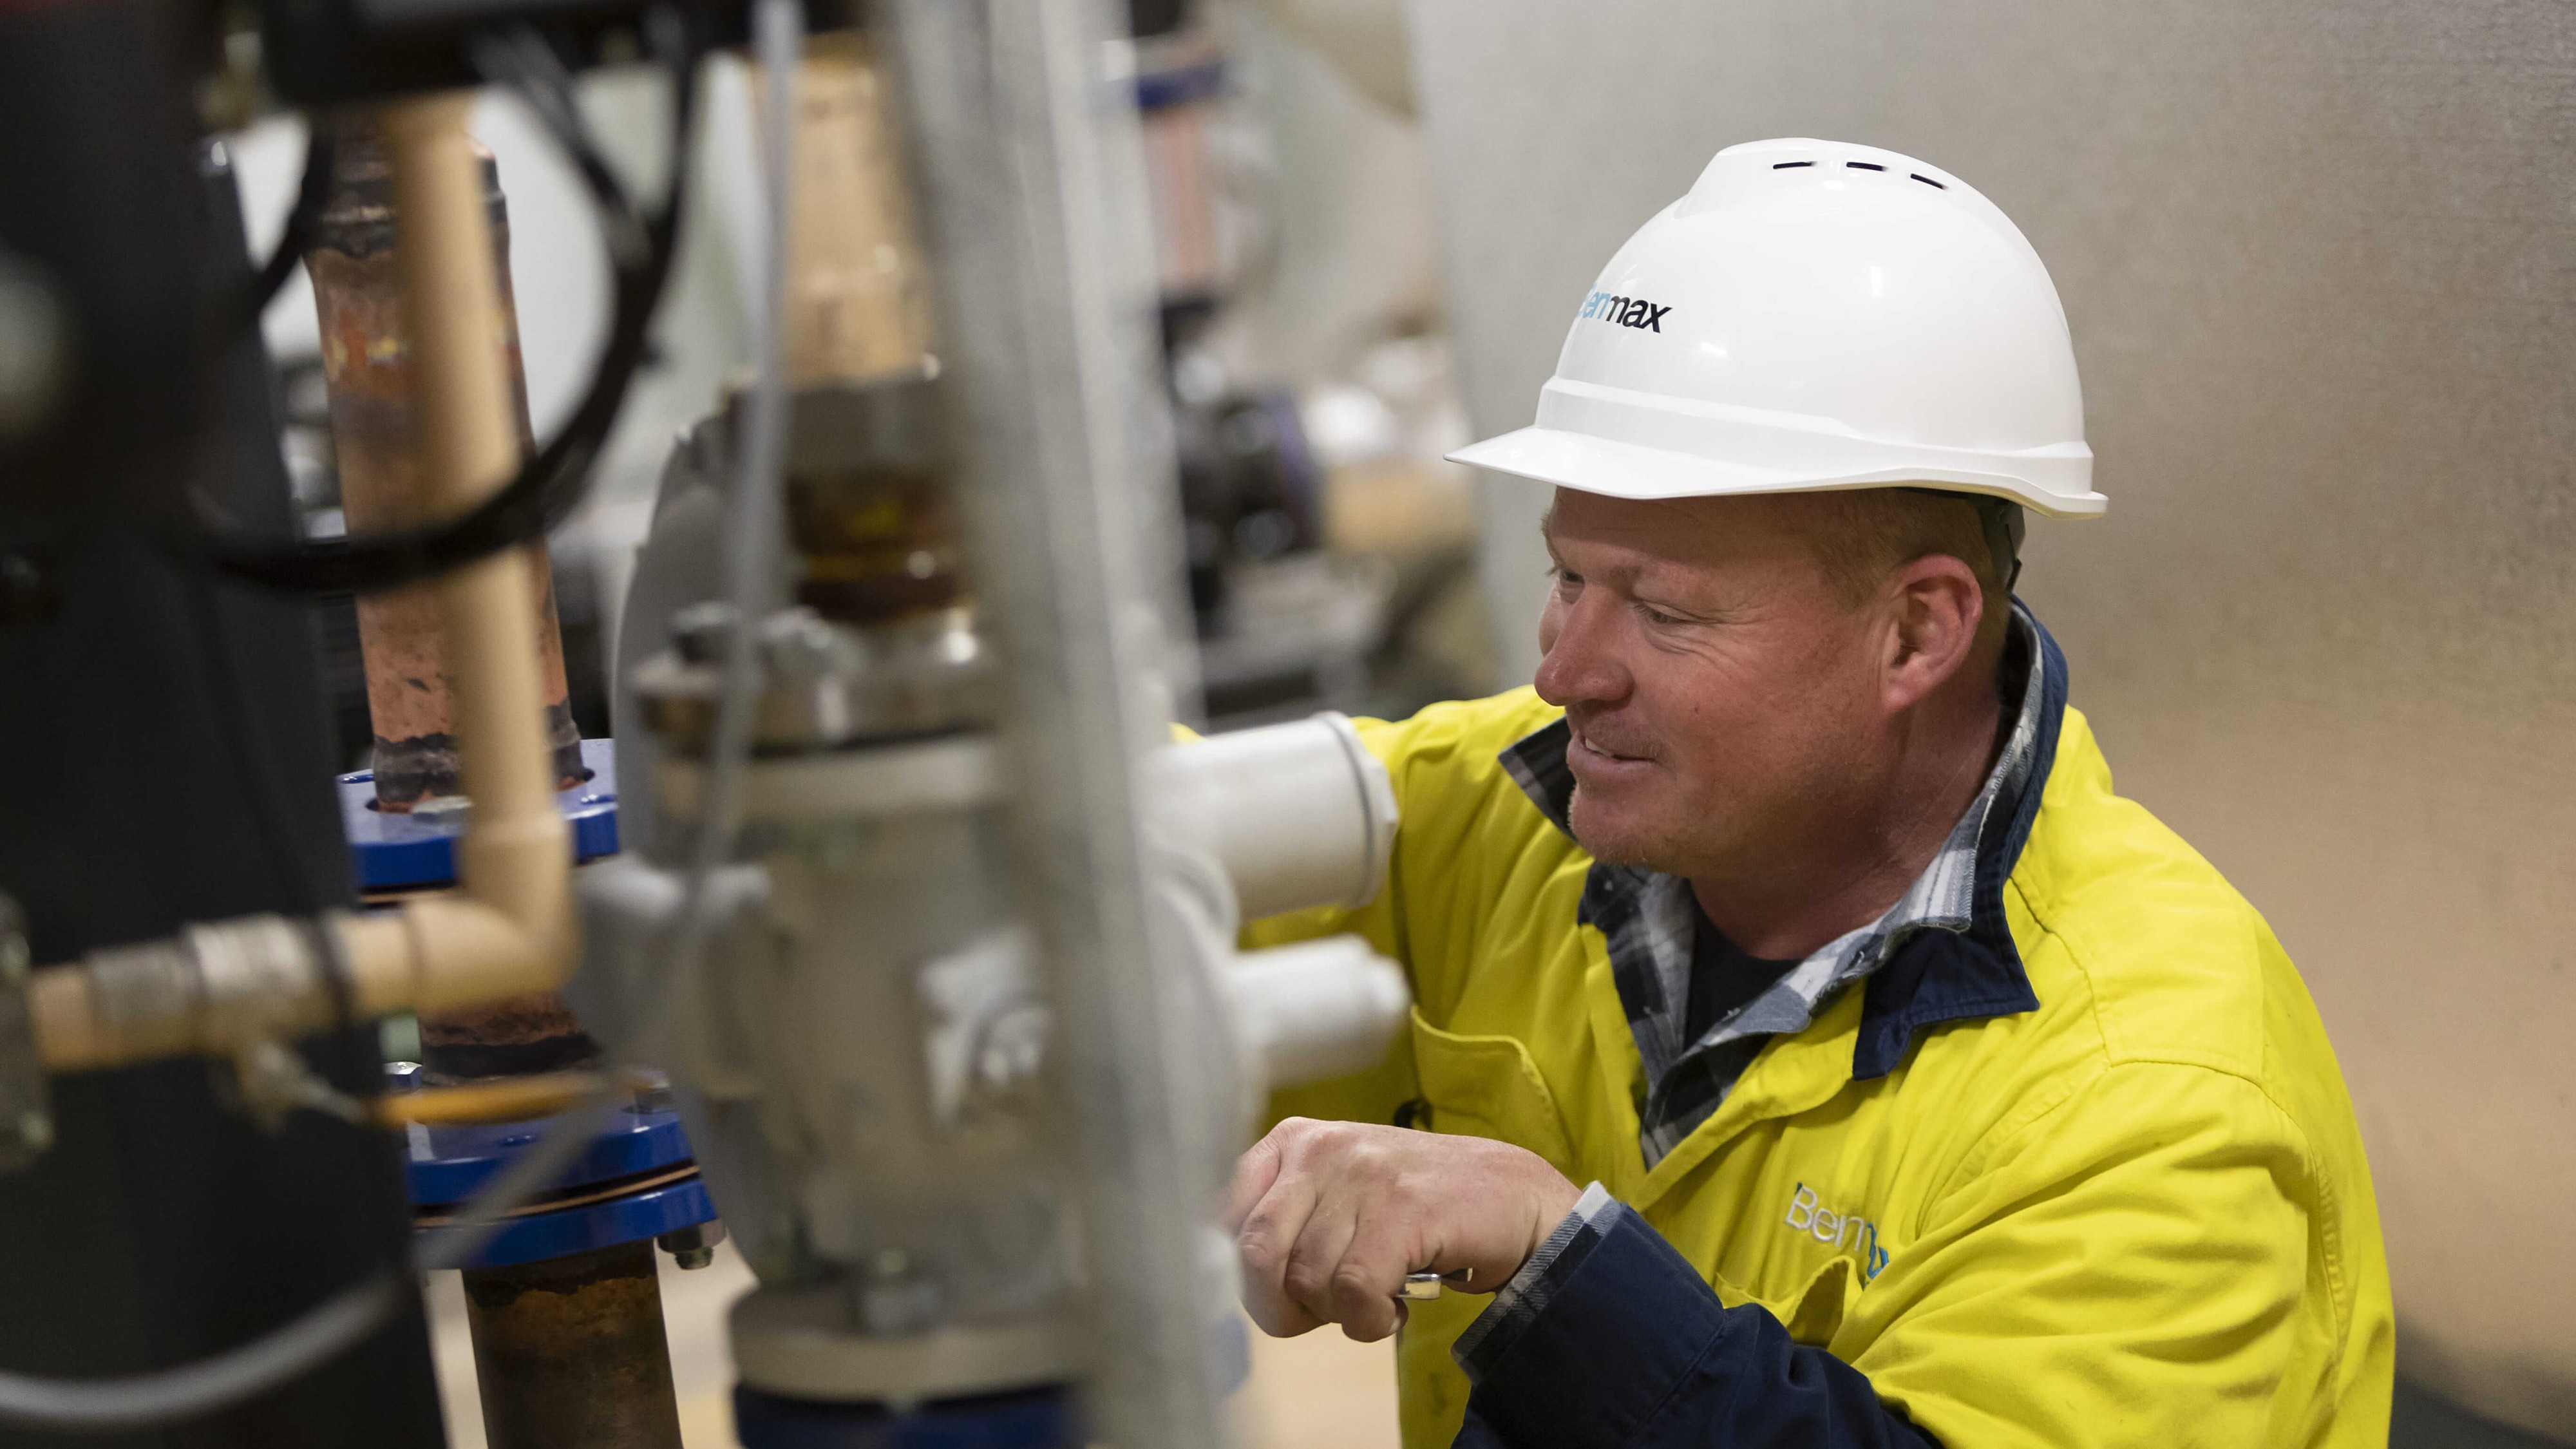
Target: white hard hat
[{"x": 1811, "y": 316}]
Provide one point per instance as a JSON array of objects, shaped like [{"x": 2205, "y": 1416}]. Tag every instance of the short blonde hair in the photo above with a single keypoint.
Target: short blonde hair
[{"x": 1860, "y": 535}]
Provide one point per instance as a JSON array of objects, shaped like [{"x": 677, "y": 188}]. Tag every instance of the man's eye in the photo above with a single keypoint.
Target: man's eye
[
  {"x": 1657, "y": 617},
  {"x": 1567, "y": 580}
]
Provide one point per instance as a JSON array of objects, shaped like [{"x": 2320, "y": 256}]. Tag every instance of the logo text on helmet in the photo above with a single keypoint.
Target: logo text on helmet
[{"x": 1625, "y": 311}]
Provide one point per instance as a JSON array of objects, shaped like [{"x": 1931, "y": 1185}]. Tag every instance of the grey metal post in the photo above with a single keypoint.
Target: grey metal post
[{"x": 1031, "y": 174}]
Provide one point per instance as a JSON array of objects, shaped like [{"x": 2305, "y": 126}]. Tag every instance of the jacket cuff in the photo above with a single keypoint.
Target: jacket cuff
[
  {"x": 1588, "y": 1352},
  {"x": 1519, "y": 1301},
  {"x": 1626, "y": 1348}
]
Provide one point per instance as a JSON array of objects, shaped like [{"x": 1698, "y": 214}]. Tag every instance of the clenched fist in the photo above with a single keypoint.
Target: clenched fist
[{"x": 1330, "y": 1216}]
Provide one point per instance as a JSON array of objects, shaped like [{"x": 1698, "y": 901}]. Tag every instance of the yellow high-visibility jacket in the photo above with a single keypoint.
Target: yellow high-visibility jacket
[{"x": 2136, "y": 1215}]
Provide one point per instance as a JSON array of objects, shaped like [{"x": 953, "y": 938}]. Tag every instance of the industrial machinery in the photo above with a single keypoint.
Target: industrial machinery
[{"x": 917, "y": 963}]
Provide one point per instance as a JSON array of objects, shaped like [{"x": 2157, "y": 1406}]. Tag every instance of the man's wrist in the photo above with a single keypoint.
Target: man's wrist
[
  {"x": 1552, "y": 1209},
  {"x": 1518, "y": 1300},
  {"x": 1585, "y": 1206}
]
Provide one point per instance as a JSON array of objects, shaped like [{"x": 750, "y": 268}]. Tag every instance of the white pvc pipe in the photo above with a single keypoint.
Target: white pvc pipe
[
  {"x": 1299, "y": 814},
  {"x": 1318, "y": 1009}
]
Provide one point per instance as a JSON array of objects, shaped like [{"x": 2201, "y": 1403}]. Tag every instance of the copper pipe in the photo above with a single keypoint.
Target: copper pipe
[
  {"x": 214, "y": 988},
  {"x": 513, "y": 1099},
  {"x": 358, "y": 284},
  {"x": 858, "y": 288},
  {"x": 516, "y": 851}
]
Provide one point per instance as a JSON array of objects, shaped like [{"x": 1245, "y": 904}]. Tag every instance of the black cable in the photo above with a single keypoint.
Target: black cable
[
  {"x": 550, "y": 484},
  {"x": 303, "y": 220},
  {"x": 519, "y": 57}
]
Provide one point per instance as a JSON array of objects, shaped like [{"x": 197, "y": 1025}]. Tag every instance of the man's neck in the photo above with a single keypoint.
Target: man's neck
[{"x": 1798, "y": 903}]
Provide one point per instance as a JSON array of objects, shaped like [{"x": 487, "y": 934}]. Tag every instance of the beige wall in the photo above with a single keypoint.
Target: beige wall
[{"x": 2319, "y": 258}]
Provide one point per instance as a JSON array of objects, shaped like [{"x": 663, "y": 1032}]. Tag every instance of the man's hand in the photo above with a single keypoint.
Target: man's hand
[{"x": 1330, "y": 1216}]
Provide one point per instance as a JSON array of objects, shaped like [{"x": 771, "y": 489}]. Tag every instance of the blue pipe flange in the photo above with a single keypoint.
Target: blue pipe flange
[
  {"x": 637, "y": 1179},
  {"x": 411, "y": 852},
  {"x": 1040, "y": 1418},
  {"x": 1179, "y": 85}
]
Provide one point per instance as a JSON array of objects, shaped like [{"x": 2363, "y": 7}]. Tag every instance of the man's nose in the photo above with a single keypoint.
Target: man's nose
[{"x": 1581, "y": 665}]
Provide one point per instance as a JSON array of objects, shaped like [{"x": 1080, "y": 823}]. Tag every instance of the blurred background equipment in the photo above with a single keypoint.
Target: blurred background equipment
[{"x": 1326, "y": 541}]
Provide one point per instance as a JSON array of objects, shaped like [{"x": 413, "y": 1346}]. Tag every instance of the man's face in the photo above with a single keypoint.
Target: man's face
[{"x": 1724, "y": 696}]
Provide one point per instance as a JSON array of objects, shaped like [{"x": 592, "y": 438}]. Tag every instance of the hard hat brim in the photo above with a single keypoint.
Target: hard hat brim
[{"x": 1591, "y": 464}]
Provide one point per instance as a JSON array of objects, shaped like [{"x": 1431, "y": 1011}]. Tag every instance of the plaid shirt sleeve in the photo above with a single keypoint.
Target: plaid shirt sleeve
[
  {"x": 1608, "y": 1339},
  {"x": 1519, "y": 1301}
]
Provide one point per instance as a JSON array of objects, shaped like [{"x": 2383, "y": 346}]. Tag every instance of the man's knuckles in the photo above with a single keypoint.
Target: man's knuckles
[
  {"x": 1306, "y": 1145},
  {"x": 1309, "y": 1282},
  {"x": 1362, "y": 1291},
  {"x": 1281, "y": 1319},
  {"x": 1264, "y": 1245}
]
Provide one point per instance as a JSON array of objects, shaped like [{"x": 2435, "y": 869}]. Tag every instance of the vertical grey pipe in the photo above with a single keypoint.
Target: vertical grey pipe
[{"x": 1033, "y": 192}]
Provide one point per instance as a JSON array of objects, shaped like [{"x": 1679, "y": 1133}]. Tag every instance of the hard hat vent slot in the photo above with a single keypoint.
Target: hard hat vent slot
[
  {"x": 1785, "y": 165},
  {"x": 1864, "y": 166},
  {"x": 1928, "y": 181}
]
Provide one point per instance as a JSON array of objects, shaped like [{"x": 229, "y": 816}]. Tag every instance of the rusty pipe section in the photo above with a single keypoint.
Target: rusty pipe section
[
  {"x": 223, "y": 988},
  {"x": 569, "y": 1353},
  {"x": 355, "y": 263}
]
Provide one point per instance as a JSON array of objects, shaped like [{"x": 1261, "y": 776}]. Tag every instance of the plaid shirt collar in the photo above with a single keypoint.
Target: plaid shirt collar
[{"x": 1942, "y": 952}]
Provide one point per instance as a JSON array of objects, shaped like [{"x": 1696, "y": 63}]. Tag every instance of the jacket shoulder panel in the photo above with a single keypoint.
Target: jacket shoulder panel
[
  {"x": 1474, "y": 857},
  {"x": 2173, "y": 962},
  {"x": 1458, "y": 737}
]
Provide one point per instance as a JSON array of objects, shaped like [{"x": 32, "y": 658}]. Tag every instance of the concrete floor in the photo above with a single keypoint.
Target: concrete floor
[{"x": 1321, "y": 1391}]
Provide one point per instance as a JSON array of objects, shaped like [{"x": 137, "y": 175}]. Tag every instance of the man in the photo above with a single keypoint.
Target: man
[{"x": 1809, "y": 1046}]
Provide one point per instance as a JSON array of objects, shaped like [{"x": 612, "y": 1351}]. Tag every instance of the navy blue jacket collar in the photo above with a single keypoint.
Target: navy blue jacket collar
[{"x": 1939, "y": 976}]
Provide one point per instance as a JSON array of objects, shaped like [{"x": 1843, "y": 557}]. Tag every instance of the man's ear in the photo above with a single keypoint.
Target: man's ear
[{"x": 1935, "y": 605}]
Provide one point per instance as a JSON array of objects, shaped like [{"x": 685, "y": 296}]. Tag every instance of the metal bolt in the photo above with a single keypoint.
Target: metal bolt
[
  {"x": 693, "y": 1246},
  {"x": 799, "y": 644},
  {"x": 444, "y": 811},
  {"x": 893, "y": 1296},
  {"x": 35, "y": 1129},
  {"x": 701, "y": 631}
]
